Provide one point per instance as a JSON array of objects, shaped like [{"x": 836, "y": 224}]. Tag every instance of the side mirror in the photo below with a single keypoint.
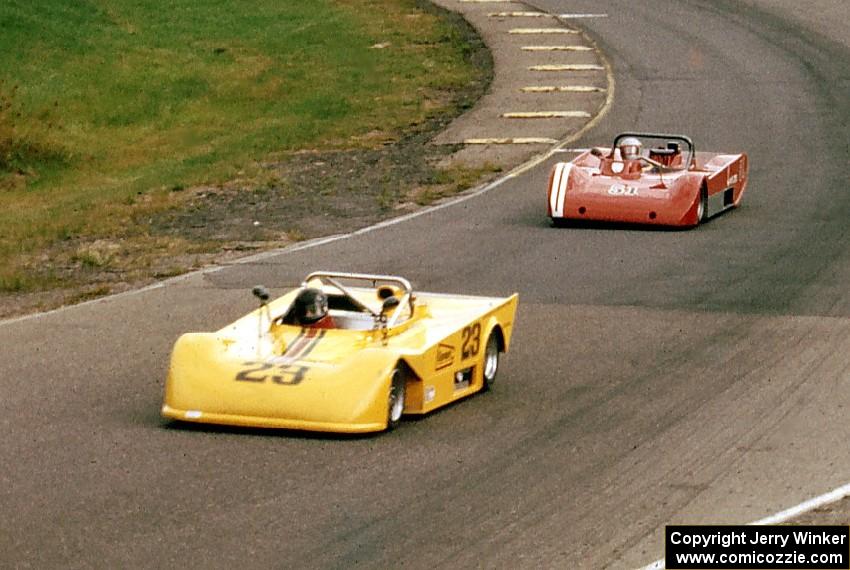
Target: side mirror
[
  {"x": 261, "y": 293},
  {"x": 596, "y": 152}
]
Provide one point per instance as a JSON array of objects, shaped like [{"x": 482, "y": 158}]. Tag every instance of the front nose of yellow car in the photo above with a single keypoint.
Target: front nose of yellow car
[{"x": 204, "y": 386}]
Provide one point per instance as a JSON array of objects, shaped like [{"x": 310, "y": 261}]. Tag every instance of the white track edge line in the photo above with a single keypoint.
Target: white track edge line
[
  {"x": 782, "y": 516},
  {"x": 572, "y": 16}
]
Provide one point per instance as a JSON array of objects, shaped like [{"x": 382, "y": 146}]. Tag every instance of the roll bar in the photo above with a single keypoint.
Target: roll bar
[
  {"x": 374, "y": 279},
  {"x": 661, "y": 136},
  {"x": 332, "y": 278}
]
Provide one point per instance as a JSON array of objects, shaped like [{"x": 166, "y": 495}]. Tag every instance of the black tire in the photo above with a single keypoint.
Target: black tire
[
  {"x": 490, "y": 361},
  {"x": 702, "y": 212},
  {"x": 395, "y": 400}
]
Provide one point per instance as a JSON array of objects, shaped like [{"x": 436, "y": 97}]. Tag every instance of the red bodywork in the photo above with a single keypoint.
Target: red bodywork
[{"x": 597, "y": 185}]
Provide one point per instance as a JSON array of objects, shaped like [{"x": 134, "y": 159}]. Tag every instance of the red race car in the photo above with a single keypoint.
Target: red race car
[{"x": 646, "y": 178}]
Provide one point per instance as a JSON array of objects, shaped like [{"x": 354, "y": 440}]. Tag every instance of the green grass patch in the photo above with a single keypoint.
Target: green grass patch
[
  {"x": 450, "y": 181},
  {"x": 109, "y": 108}
]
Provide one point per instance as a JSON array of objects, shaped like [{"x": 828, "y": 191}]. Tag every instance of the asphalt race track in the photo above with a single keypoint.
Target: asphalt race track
[{"x": 656, "y": 377}]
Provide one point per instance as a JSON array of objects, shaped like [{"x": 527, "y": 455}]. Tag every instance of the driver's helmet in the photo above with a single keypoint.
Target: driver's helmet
[
  {"x": 630, "y": 148},
  {"x": 311, "y": 305}
]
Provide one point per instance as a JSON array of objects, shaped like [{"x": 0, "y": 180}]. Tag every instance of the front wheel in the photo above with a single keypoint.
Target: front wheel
[
  {"x": 491, "y": 360},
  {"x": 702, "y": 207},
  {"x": 395, "y": 404}
]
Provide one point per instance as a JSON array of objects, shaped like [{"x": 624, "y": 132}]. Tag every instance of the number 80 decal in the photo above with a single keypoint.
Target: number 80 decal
[{"x": 621, "y": 190}]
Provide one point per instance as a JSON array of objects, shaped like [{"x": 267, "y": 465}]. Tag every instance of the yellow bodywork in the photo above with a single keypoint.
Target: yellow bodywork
[{"x": 260, "y": 373}]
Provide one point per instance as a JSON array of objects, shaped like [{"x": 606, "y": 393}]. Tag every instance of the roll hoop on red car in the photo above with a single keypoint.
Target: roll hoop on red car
[{"x": 646, "y": 178}]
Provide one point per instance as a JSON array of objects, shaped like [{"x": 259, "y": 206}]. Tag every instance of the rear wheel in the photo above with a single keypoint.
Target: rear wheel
[
  {"x": 395, "y": 404},
  {"x": 491, "y": 360}
]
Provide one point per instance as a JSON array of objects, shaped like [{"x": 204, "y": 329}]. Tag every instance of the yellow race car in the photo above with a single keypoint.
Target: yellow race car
[{"x": 344, "y": 352}]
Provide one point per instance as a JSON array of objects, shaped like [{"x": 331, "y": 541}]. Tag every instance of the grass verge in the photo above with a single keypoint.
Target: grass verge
[{"x": 123, "y": 126}]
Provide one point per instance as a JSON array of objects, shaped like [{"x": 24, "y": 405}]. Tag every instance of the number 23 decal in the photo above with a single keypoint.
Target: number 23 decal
[
  {"x": 471, "y": 341},
  {"x": 287, "y": 374}
]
